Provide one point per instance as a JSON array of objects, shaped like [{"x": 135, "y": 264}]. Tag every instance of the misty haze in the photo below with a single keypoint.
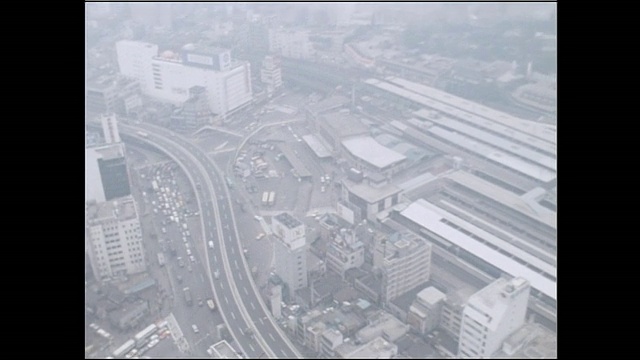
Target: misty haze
[{"x": 320, "y": 180}]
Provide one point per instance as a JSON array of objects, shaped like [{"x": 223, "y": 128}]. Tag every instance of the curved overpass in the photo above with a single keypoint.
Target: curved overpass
[{"x": 236, "y": 294}]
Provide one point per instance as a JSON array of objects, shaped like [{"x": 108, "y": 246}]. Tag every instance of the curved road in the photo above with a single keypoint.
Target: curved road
[{"x": 237, "y": 297}]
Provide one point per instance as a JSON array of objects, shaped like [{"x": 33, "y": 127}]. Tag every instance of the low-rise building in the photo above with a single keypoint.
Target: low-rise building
[{"x": 424, "y": 313}]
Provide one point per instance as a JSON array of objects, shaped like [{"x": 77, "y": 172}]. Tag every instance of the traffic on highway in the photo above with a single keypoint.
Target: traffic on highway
[{"x": 235, "y": 293}]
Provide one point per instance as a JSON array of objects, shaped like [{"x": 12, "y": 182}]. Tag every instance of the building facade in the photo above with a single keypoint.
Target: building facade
[
  {"x": 271, "y": 74},
  {"x": 344, "y": 252},
  {"x": 114, "y": 238},
  {"x": 290, "y": 252},
  {"x": 491, "y": 315},
  {"x": 106, "y": 174},
  {"x": 168, "y": 76},
  {"x": 405, "y": 262},
  {"x": 424, "y": 313}
]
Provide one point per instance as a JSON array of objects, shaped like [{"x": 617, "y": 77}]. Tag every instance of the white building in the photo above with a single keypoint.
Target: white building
[
  {"x": 169, "y": 76},
  {"x": 271, "y": 74},
  {"x": 110, "y": 128},
  {"x": 290, "y": 252},
  {"x": 345, "y": 252},
  {"x": 405, "y": 260},
  {"x": 424, "y": 313},
  {"x": 491, "y": 315},
  {"x": 291, "y": 43},
  {"x": 114, "y": 238}
]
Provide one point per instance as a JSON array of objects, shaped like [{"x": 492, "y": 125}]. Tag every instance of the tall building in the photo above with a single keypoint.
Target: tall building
[
  {"x": 109, "y": 94},
  {"x": 114, "y": 239},
  {"x": 290, "y": 252},
  {"x": 491, "y": 315},
  {"x": 345, "y": 252},
  {"x": 405, "y": 262},
  {"x": 168, "y": 76},
  {"x": 271, "y": 74},
  {"x": 106, "y": 174},
  {"x": 293, "y": 44},
  {"x": 110, "y": 128}
]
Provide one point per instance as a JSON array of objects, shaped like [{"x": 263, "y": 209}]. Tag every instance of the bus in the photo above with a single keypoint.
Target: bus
[
  {"x": 265, "y": 198},
  {"x": 142, "y": 336},
  {"x": 124, "y": 349},
  {"x": 229, "y": 182},
  {"x": 272, "y": 198}
]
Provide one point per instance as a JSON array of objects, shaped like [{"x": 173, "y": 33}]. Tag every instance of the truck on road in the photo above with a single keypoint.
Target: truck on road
[{"x": 187, "y": 296}]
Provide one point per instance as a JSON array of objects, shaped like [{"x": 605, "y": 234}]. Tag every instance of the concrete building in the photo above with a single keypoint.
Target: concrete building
[
  {"x": 110, "y": 128},
  {"x": 454, "y": 304},
  {"x": 344, "y": 252},
  {"x": 293, "y": 44},
  {"x": 531, "y": 341},
  {"x": 195, "y": 112},
  {"x": 290, "y": 252},
  {"x": 111, "y": 94},
  {"x": 491, "y": 315},
  {"x": 424, "y": 313},
  {"x": 331, "y": 339},
  {"x": 106, "y": 175},
  {"x": 405, "y": 262},
  {"x": 276, "y": 301},
  {"x": 382, "y": 324},
  {"x": 271, "y": 74},
  {"x": 338, "y": 126},
  {"x": 168, "y": 76},
  {"x": 114, "y": 238},
  {"x": 370, "y": 156},
  {"x": 377, "y": 348},
  {"x": 367, "y": 199}
]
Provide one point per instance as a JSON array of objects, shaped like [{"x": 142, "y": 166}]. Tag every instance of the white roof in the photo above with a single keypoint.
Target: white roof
[
  {"x": 527, "y": 131},
  {"x": 493, "y": 140},
  {"x": 505, "y": 197},
  {"x": 431, "y": 220},
  {"x": 490, "y": 238},
  {"x": 316, "y": 146},
  {"x": 510, "y": 161},
  {"x": 369, "y": 150},
  {"x": 527, "y": 126}
]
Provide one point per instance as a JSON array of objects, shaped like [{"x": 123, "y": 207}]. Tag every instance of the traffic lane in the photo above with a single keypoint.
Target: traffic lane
[{"x": 226, "y": 226}]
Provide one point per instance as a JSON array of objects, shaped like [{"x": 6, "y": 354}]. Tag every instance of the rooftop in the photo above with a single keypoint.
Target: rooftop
[
  {"x": 328, "y": 104},
  {"x": 424, "y": 214},
  {"x": 494, "y": 299},
  {"x": 318, "y": 148},
  {"x": 288, "y": 220},
  {"x": 344, "y": 124},
  {"x": 531, "y": 341},
  {"x": 369, "y": 150},
  {"x": 121, "y": 209},
  {"x": 505, "y": 197},
  {"x": 431, "y": 295},
  {"x": 405, "y": 300},
  {"x": 222, "y": 350},
  {"x": 382, "y": 324},
  {"x": 377, "y": 348},
  {"x": 371, "y": 194}
]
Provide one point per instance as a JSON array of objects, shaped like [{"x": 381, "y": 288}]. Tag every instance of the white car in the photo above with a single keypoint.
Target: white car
[
  {"x": 195, "y": 328},
  {"x": 259, "y": 218},
  {"x": 192, "y": 258}
]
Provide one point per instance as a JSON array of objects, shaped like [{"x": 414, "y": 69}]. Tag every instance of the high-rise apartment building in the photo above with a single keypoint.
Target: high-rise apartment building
[
  {"x": 106, "y": 174},
  {"x": 491, "y": 315},
  {"x": 114, "y": 239},
  {"x": 290, "y": 252},
  {"x": 405, "y": 261}
]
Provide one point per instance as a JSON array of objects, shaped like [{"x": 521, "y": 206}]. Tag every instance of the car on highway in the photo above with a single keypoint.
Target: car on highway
[
  {"x": 180, "y": 262},
  {"x": 259, "y": 218},
  {"x": 189, "y": 268},
  {"x": 192, "y": 258},
  {"x": 195, "y": 328},
  {"x": 216, "y": 274},
  {"x": 200, "y": 302},
  {"x": 260, "y": 236}
]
